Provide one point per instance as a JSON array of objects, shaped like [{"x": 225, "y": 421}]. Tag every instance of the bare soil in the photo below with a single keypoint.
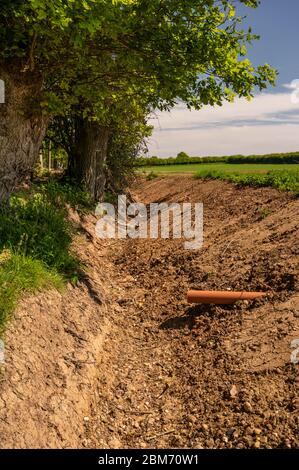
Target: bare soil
[{"x": 121, "y": 360}]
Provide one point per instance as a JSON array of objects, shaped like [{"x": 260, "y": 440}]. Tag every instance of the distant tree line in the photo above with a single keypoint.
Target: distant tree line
[{"x": 182, "y": 158}]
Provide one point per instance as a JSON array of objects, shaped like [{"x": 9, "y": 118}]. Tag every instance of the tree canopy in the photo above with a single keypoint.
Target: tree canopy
[
  {"x": 97, "y": 58},
  {"x": 91, "y": 51}
]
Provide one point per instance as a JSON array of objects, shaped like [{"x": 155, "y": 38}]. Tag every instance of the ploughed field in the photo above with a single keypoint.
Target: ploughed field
[
  {"x": 177, "y": 375},
  {"x": 121, "y": 360}
]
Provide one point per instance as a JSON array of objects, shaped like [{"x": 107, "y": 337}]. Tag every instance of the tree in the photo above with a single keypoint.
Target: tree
[
  {"x": 92, "y": 56},
  {"x": 125, "y": 140},
  {"x": 42, "y": 49},
  {"x": 184, "y": 50},
  {"x": 125, "y": 146},
  {"x": 182, "y": 157}
]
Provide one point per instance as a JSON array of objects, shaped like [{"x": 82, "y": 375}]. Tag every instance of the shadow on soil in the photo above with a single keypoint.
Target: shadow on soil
[{"x": 189, "y": 318}]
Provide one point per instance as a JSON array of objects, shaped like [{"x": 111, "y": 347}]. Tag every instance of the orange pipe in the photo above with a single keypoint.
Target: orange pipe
[{"x": 220, "y": 297}]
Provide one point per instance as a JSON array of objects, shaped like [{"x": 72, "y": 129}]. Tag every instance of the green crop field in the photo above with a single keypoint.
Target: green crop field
[
  {"x": 244, "y": 168},
  {"x": 284, "y": 177}
]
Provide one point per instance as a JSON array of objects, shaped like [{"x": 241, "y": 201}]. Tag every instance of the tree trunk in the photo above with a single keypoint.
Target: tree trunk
[
  {"x": 87, "y": 164},
  {"x": 22, "y": 129},
  {"x": 41, "y": 159}
]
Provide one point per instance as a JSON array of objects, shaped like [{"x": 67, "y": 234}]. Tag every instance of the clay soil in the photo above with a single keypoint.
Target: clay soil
[{"x": 122, "y": 361}]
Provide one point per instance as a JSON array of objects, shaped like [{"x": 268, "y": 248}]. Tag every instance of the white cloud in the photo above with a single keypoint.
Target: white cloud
[
  {"x": 268, "y": 123},
  {"x": 293, "y": 85}
]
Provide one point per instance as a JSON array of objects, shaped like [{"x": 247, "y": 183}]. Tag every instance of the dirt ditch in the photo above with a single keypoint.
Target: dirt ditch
[{"x": 121, "y": 360}]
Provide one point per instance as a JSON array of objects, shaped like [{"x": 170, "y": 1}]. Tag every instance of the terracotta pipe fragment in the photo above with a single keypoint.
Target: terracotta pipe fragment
[{"x": 220, "y": 297}]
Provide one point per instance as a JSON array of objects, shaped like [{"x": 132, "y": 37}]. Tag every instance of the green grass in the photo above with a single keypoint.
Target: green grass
[
  {"x": 35, "y": 242},
  {"x": 19, "y": 275},
  {"x": 151, "y": 175},
  {"x": 223, "y": 167},
  {"x": 64, "y": 193},
  {"x": 34, "y": 226}
]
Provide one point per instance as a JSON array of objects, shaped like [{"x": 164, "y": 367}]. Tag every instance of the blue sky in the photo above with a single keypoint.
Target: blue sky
[{"x": 269, "y": 123}]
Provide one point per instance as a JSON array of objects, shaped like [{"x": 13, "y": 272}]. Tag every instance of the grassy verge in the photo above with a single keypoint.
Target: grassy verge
[
  {"x": 223, "y": 167},
  {"x": 20, "y": 274},
  {"x": 35, "y": 242},
  {"x": 284, "y": 180}
]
